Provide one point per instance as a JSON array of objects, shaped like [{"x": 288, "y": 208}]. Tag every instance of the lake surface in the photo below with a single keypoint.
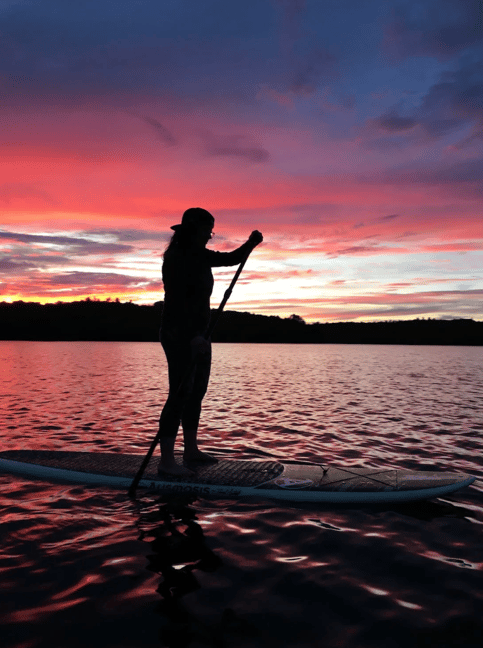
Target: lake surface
[{"x": 90, "y": 567}]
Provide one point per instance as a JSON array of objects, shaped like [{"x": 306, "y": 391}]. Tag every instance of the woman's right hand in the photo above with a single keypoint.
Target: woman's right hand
[
  {"x": 199, "y": 346},
  {"x": 255, "y": 238}
]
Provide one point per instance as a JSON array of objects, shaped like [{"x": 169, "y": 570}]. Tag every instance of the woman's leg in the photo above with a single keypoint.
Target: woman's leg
[
  {"x": 192, "y": 410},
  {"x": 179, "y": 360}
]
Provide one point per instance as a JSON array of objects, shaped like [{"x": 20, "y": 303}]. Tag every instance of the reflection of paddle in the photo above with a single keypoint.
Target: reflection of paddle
[{"x": 214, "y": 321}]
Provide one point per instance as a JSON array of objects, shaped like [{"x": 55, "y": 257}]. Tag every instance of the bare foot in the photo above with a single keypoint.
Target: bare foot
[
  {"x": 199, "y": 457},
  {"x": 174, "y": 469}
]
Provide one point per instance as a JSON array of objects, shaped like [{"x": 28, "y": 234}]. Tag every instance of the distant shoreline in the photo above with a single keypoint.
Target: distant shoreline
[{"x": 93, "y": 320}]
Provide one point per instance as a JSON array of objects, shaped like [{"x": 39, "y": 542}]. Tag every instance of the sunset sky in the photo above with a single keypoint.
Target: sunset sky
[{"x": 350, "y": 132}]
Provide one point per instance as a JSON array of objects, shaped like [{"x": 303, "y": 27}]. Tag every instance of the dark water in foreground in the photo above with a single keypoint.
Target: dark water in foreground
[{"x": 90, "y": 567}]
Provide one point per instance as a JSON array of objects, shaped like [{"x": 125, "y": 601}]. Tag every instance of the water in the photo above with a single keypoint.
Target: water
[{"x": 90, "y": 567}]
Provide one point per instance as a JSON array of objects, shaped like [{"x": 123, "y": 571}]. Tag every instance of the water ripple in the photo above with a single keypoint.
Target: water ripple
[{"x": 90, "y": 567}]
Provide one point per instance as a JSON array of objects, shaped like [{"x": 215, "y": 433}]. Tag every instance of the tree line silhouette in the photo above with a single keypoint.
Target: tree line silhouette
[{"x": 92, "y": 319}]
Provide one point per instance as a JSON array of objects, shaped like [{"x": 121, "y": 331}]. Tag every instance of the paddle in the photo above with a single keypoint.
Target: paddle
[{"x": 214, "y": 321}]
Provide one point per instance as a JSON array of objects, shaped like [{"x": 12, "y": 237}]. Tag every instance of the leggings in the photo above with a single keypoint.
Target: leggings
[{"x": 183, "y": 405}]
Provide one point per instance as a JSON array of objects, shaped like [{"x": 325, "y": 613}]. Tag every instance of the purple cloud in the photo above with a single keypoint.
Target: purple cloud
[
  {"x": 162, "y": 132},
  {"x": 392, "y": 122},
  {"x": 233, "y": 146},
  {"x": 72, "y": 245},
  {"x": 440, "y": 28}
]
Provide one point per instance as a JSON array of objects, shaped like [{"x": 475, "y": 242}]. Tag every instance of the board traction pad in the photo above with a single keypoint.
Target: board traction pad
[
  {"x": 225, "y": 473},
  {"x": 242, "y": 473}
]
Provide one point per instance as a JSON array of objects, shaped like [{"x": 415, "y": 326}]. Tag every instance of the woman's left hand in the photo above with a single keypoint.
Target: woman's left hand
[{"x": 255, "y": 238}]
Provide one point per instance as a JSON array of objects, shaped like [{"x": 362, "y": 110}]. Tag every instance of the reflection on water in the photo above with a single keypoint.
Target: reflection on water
[
  {"x": 90, "y": 567},
  {"x": 180, "y": 554}
]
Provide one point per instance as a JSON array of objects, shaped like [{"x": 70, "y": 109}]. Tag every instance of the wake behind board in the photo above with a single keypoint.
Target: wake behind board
[{"x": 239, "y": 478}]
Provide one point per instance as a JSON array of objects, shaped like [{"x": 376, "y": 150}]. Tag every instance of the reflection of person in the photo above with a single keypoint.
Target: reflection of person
[{"x": 188, "y": 283}]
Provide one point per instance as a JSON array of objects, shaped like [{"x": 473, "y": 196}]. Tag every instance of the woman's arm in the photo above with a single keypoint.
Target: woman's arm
[{"x": 235, "y": 257}]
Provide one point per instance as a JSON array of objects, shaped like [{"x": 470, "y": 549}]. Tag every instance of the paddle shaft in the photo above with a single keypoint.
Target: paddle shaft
[{"x": 214, "y": 321}]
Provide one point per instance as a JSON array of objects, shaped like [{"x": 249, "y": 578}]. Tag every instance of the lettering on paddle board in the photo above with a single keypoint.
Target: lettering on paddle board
[
  {"x": 194, "y": 490},
  {"x": 424, "y": 477},
  {"x": 287, "y": 482}
]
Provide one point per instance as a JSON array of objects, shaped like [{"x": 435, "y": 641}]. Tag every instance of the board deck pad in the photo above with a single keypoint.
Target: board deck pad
[
  {"x": 224, "y": 473},
  {"x": 235, "y": 478}
]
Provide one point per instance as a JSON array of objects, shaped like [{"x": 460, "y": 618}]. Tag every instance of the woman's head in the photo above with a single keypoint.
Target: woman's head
[
  {"x": 195, "y": 229},
  {"x": 195, "y": 217}
]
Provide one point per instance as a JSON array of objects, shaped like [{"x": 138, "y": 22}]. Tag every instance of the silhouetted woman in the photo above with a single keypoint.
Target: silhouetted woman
[{"x": 188, "y": 284}]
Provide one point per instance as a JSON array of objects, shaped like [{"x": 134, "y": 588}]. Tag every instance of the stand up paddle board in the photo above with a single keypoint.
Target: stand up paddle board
[{"x": 229, "y": 478}]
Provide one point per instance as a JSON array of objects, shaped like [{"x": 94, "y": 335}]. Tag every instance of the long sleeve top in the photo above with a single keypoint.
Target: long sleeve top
[{"x": 188, "y": 284}]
